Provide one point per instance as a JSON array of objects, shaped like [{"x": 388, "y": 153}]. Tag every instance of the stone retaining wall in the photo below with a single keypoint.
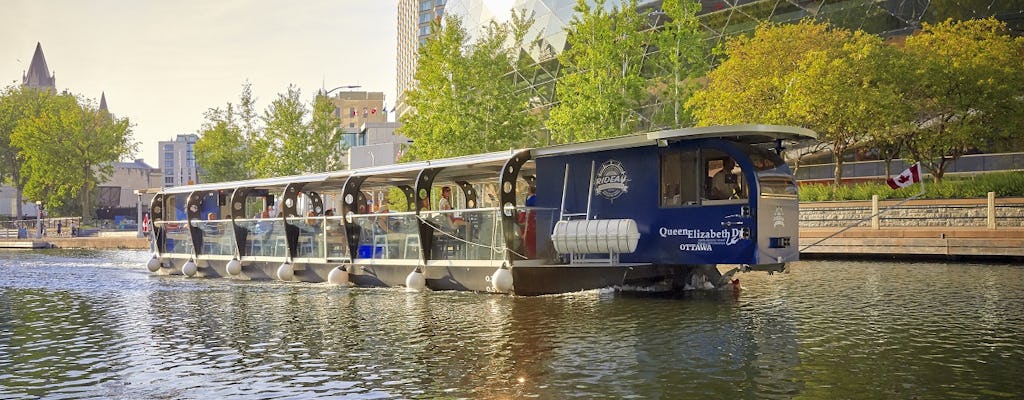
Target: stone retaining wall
[{"x": 919, "y": 213}]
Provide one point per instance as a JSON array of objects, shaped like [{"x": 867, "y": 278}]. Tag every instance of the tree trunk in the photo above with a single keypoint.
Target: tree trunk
[
  {"x": 837, "y": 155},
  {"x": 86, "y": 215}
]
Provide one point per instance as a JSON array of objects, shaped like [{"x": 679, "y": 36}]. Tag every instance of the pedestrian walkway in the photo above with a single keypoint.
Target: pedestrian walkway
[{"x": 923, "y": 241}]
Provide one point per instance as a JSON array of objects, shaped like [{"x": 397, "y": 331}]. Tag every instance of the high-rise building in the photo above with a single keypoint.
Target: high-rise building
[
  {"x": 414, "y": 18},
  {"x": 177, "y": 161}
]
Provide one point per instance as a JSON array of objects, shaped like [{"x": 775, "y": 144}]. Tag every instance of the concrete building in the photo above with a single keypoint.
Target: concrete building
[
  {"x": 177, "y": 161},
  {"x": 355, "y": 108},
  {"x": 368, "y": 135},
  {"x": 119, "y": 190},
  {"x": 414, "y": 18},
  {"x": 378, "y": 145}
]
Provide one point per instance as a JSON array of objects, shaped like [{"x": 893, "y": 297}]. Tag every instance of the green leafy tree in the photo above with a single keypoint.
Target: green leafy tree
[
  {"x": 70, "y": 148},
  {"x": 966, "y": 88},
  {"x": 220, "y": 152},
  {"x": 834, "y": 81},
  {"x": 680, "y": 59},
  {"x": 848, "y": 93},
  {"x": 224, "y": 148},
  {"x": 466, "y": 100},
  {"x": 602, "y": 88},
  {"x": 325, "y": 150},
  {"x": 280, "y": 150},
  {"x": 17, "y": 106}
]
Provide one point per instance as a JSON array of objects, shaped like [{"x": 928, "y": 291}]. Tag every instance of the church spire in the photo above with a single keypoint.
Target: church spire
[
  {"x": 38, "y": 75},
  {"x": 103, "y": 101}
]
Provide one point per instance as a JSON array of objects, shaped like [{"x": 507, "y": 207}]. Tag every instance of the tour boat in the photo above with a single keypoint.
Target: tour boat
[{"x": 654, "y": 211}]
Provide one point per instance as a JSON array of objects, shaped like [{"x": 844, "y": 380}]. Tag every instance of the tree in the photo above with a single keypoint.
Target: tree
[
  {"x": 848, "y": 93},
  {"x": 279, "y": 151},
  {"x": 833, "y": 81},
  {"x": 966, "y": 87},
  {"x": 69, "y": 148},
  {"x": 325, "y": 151},
  {"x": 602, "y": 88},
  {"x": 224, "y": 148},
  {"x": 17, "y": 105},
  {"x": 681, "y": 59},
  {"x": 465, "y": 100},
  {"x": 220, "y": 151}
]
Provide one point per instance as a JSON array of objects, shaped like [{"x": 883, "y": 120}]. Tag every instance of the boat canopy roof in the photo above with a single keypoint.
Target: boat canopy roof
[
  {"x": 748, "y": 134},
  {"x": 488, "y": 165},
  {"x": 465, "y": 167},
  {"x": 254, "y": 183}
]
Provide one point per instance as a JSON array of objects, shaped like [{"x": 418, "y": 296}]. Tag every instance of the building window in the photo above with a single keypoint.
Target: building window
[
  {"x": 351, "y": 124},
  {"x": 425, "y": 5}
]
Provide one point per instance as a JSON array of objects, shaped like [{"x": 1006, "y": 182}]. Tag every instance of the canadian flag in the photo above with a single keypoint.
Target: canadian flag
[{"x": 906, "y": 178}]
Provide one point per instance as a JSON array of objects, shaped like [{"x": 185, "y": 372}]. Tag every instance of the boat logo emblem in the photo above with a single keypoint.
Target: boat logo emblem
[
  {"x": 611, "y": 180},
  {"x": 778, "y": 219}
]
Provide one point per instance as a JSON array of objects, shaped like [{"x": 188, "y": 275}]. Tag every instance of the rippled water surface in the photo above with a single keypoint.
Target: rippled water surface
[{"x": 96, "y": 324}]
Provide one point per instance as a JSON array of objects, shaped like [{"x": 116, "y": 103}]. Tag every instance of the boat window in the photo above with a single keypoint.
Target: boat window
[
  {"x": 773, "y": 176},
  {"x": 723, "y": 177},
  {"x": 678, "y": 180}
]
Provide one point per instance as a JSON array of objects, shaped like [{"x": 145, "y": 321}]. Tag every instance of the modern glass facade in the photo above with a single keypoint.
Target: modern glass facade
[{"x": 724, "y": 18}]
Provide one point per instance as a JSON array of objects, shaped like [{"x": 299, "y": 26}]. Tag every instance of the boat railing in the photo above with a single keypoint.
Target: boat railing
[
  {"x": 217, "y": 237},
  {"x": 320, "y": 237},
  {"x": 466, "y": 234},
  {"x": 266, "y": 237},
  {"x": 176, "y": 238},
  {"x": 388, "y": 235}
]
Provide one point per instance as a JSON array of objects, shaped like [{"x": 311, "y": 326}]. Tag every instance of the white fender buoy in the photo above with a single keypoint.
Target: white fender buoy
[
  {"x": 234, "y": 267},
  {"x": 285, "y": 272},
  {"x": 501, "y": 280},
  {"x": 189, "y": 268},
  {"x": 153, "y": 265},
  {"x": 415, "y": 280},
  {"x": 338, "y": 276}
]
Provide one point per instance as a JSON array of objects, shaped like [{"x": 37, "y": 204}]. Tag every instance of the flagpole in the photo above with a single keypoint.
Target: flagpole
[{"x": 922, "y": 179}]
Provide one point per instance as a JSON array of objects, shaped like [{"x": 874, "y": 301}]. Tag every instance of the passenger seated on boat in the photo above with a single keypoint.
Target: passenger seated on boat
[
  {"x": 211, "y": 228},
  {"x": 312, "y": 223},
  {"x": 455, "y": 220},
  {"x": 381, "y": 226},
  {"x": 725, "y": 184}
]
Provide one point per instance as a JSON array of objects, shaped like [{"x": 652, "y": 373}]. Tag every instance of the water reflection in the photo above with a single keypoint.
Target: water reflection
[{"x": 95, "y": 324}]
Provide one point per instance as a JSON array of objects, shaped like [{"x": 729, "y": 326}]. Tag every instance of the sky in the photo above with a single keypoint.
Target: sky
[{"x": 162, "y": 64}]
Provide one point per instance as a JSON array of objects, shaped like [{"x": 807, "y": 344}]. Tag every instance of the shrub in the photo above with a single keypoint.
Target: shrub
[{"x": 1004, "y": 184}]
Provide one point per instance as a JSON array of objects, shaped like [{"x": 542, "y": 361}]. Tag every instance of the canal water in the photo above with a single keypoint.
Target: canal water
[{"x": 95, "y": 324}]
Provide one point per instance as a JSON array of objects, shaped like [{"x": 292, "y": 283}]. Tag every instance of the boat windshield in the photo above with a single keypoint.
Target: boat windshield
[{"x": 773, "y": 175}]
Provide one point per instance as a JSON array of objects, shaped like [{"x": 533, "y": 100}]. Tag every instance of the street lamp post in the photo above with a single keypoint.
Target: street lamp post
[
  {"x": 328, "y": 92},
  {"x": 39, "y": 219}
]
